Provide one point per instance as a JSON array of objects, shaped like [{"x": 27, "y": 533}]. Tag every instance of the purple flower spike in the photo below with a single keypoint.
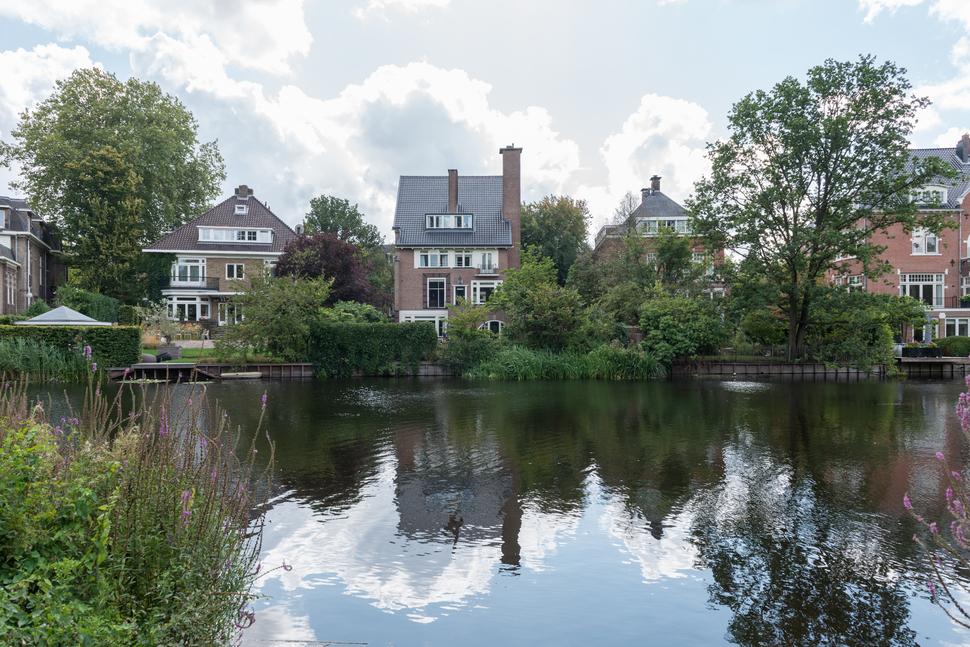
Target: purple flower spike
[
  {"x": 933, "y": 528},
  {"x": 907, "y": 503},
  {"x": 940, "y": 455}
]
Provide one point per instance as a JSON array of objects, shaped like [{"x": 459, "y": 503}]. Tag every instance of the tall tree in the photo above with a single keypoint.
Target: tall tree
[
  {"x": 104, "y": 191},
  {"x": 325, "y": 255},
  {"x": 330, "y": 215},
  {"x": 152, "y": 131},
  {"x": 557, "y": 227},
  {"x": 811, "y": 171}
]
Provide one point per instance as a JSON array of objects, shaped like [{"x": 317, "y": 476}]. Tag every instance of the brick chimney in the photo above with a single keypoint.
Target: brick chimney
[
  {"x": 452, "y": 190},
  {"x": 512, "y": 197},
  {"x": 655, "y": 183},
  {"x": 963, "y": 148},
  {"x": 644, "y": 194},
  {"x": 243, "y": 192}
]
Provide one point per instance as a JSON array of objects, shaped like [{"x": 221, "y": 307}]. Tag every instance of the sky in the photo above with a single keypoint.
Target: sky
[{"x": 342, "y": 97}]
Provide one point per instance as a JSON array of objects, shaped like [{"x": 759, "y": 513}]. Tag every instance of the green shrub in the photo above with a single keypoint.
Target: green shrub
[
  {"x": 132, "y": 532},
  {"x": 956, "y": 346},
  {"x": 36, "y": 360},
  {"x": 128, "y": 316},
  {"x": 682, "y": 327},
  {"x": 8, "y": 320},
  {"x": 462, "y": 352},
  {"x": 97, "y": 306},
  {"x": 110, "y": 345},
  {"x": 343, "y": 349},
  {"x": 612, "y": 362},
  {"x": 36, "y": 308}
]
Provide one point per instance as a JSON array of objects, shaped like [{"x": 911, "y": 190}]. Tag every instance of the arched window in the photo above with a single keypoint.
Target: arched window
[{"x": 493, "y": 325}]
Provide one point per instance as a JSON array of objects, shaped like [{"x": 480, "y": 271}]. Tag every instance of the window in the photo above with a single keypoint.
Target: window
[
  {"x": 220, "y": 234},
  {"x": 436, "y": 293},
  {"x": 229, "y": 313},
  {"x": 924, "y": 242},
  {"x": 958, "y": 326},
  {"x": 653, "y": 225},
  {"x": 928, "y": 288},
  {"x": 855, "y": 281},
  {"x": 493, "y": 325},
  {"x": 965, "y": 286},
  {"x": 188, "y": 308},
  {"x": 463, "y": 259},
  {"x": 930, "y": 195},
  {"x": 486, "y": 265},
  {"x": 448, "y": 221},
  {"x": 235, "y": 271},
  {"x": 481, "y": 290},
  {"x": 433, "y": 258},
  {"x": 188, "y": 271},
  {"x": 461, "y": 292},
  {"x": 241, "y": 209}
]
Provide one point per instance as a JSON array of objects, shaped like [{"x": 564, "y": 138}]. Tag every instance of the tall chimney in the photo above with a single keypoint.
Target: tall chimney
[
  {"x": 452, "y": 190},
  {"x": 643, "y": 194},
  {"x": 655, "y": 183},
  {"x": 963, "y": 148},
  {"x": 512, "y": 197}
]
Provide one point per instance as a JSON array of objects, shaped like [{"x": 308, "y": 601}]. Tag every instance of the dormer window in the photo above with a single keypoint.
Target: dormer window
[
  {"x": 242, "y": 209},
  {"x": 449, "y": 221},
  {"x": 930, "y": 195},
  {"x": 234, "y": 235}
]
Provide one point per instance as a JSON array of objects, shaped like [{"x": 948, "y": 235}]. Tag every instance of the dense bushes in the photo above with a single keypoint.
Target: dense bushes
[
  {"x": 128, "y": 316},
  {"x": 97, "y": 306},
  {"x": 135, "y": 532},
  {"x": 343, "y": 349},
  {"x": 611, "y": 362},
  {"x": 36, "y": 360},
  {"x": 682, "y": 327},
  {"x": 110, "y": 345},
  {"x": 956, "y": 346}
]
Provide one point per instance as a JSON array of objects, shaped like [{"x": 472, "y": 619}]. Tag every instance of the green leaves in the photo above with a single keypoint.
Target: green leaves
[
  {"x": 556, "y": 226},
  {"x": 330, "y": 215}
]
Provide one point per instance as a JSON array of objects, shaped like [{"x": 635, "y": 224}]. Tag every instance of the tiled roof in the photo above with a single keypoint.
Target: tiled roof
[
  {"x": 956, "y": 192},
  {"x": 20, "y": 220},
  {"x": 186, "y": 237},
  {"x": 480, "y": 195},
  {"x": 654, "y": 205}
]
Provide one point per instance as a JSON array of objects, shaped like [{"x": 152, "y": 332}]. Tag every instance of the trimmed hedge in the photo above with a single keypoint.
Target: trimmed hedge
[
  {"x": 342, "y": 349},
  {"x": 955, "y": 346},
  {"x": 97, "y": 306},
  {"x": 127, "y": 316},
  {"x": 110, "y": 345}
]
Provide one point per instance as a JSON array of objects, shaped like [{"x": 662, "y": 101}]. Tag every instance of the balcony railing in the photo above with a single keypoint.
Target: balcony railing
[
  {"x": 487, "y": 269},
  {"x": 175, "y": 282}
]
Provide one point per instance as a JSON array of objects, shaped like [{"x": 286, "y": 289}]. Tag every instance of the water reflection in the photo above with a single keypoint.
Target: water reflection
[{"x": 692, "y": 512}]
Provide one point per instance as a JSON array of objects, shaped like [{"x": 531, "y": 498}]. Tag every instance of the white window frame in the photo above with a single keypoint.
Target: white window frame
[
  {"x": 454, "y": 293},
  {"x": 957, "y": 326},
  {"x": 229, "y": 313},
  {"x": 179, "y": 303},
  {"x": 235, "y": 235},
  {"x": 651, "y": 226},
  {"x": 479, "y": 286},
  {"x": 186, "y": 279},
  {"x": 443, "y": 291},
  {"x": 449, "y": 221},
  {"x": 237, "y": 268},
  {"x": 490, "y": 325},
  {"x": 925, "y": 243},
  {"x": 909, "y": 280}
]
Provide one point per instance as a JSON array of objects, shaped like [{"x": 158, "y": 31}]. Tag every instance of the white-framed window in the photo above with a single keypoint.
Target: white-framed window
[
  {"x": 188, "y": 308},
  {"x": 925, "y": 242},
  {"x": 436, "y": 293},
  {"x": 439, "y": 319},
  {"x": 653, "y": 225},
  {"x": 188, "y": 271},
  {"x": 481, "y": 290},
  {"x": 460, "y": 292},
  {"x": 229, "y": 313},
  {"x": 957, "y": 326},
  {"x": 241, "y": 209},
  {"x": 235, "y": 271},
  {"x": 234, "y": 235},
  {"x": 965, "y": 286},
  {"x": 487, "y": 264},
  {"x": 449, "y": 221},
  {"x": 700, "y": 258},
  {"x": 933, "y": 194},
  {"x": 463, "y": 259},
  {"x": 493, "y": 325},
  {"x": 928, "y": 288},
  {"x": 855, "y": 281}
]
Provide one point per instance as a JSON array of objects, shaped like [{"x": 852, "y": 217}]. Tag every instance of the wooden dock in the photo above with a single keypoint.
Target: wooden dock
[
  {"x": 187, "y": 371},
  {"x": 915, "y": 367}
]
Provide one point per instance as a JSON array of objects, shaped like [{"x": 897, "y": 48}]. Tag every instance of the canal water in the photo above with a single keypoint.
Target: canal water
[{"x": 592, "y": 513}]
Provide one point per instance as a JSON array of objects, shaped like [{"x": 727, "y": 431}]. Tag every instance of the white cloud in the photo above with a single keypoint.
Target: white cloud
[
  {"x": 377, "y": 7},
  {"x": 28, "y": 77},
  {"x": 952, "y": 10},
  {"x": 256, "y": 34},
  {"x": 875, "y": 7},
  {"x": 665, "y": 137},
  {"x": 950, "y": 138}
]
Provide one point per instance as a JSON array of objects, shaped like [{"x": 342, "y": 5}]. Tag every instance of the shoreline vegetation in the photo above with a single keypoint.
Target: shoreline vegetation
[{"x": 141, "y": 528}]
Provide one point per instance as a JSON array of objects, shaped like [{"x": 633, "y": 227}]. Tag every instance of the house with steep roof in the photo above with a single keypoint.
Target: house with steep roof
[
  {"x": 30, "y": 258},
  {"x": 655, "y": 211},
  {"x": 453, "y": 238},
  {"x": 931, "y": 266},
  {"x": 217, "y": 252}
]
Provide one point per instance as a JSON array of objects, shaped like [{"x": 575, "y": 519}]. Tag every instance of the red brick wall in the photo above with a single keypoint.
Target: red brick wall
[{"x": 410, "y": 283}]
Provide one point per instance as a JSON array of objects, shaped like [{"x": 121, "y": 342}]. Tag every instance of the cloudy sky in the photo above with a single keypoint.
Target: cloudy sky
[{"x": 341, "y": 97}]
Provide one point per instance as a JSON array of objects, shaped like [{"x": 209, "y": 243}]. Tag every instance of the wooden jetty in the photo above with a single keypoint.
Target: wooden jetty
[{"x": 187, "y": 371}]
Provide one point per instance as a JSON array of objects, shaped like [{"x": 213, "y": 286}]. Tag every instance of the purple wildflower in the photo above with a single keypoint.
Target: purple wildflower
[
  {"x": 933, "y": 528},
  {"x": 940, "y": 455},
  {"x": 907, "y": 503}
]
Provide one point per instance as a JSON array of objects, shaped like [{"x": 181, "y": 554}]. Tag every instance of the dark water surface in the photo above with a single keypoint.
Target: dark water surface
[{"x": 591, "y": 513}]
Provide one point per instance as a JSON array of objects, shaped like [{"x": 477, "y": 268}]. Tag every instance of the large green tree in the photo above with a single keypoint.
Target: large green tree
[
  {"x": 104, "y": 190},
  {"x": 330, "y": 215},
  {"x": 151, "y": 130},
  {"x": 811, "y": 171},
  {"x": 557, "y": 227}
]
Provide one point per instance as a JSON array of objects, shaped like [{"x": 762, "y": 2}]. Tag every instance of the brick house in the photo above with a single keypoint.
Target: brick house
[
  {"x": 234, "y": 240},
  {"x": 453, "y": 237},
  {"x": 655, "y": 210},
  {"x": 30, "y": 258},
  {"x": 933, "y": 267}
]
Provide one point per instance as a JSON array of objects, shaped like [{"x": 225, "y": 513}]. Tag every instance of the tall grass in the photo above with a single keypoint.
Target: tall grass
[
  {"x": 37, "y": 361},
  {"x": 605, "y": 362},
  {"x": 138, "y": 529}
]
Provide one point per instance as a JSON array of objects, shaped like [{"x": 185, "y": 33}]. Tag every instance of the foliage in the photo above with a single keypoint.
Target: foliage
[
  {"x": 764, "y": 327},
  {"x": 330, "y": 215},
  {"x": 325, "y": 255},
  {"x": 682, "y": 327},
  {"x": 955, "y": 346},
  {"x": 466, "y": 343},
  {"x": 856, "y": 327},
  {"x": 97, "y": 306},
  {"x": 133, "y": 530},
  {"x": 606, "y": 362},
  {"x": 103, "y": 189},
  {"x": 128, "y": 316},
  {"x": 8, "y": 320},
  {"x": 150, "y": 130},
  {"x": 36, "y": 360},
  {"x": 278, "y": 312},
  {"x": 36, "y": 308},
  {"x": 111, "y": 345},
  {"x": 810, "y": 173},
  {"x": 342, "y": 350},
  {"x": 155, "y": 316},
  {"x": 557, "y": 227},
  {"x": 352, "y": 312}
]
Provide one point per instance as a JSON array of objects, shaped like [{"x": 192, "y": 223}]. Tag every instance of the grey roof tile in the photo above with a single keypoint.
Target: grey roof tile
[
  {"x": 955, "y": 193},
  {"x": 186, "y": 237},
  {"x": 480, "y": 195}
]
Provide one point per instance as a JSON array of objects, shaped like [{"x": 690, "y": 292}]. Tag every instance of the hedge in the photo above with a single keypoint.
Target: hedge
[
  {"x": 955, "y": 346},
  {"x": 110, "y": 345},
  {"x": 128, "y": 316},
  {"x": 97, "y": 306},
  {"x": 343, "y": 349}
]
